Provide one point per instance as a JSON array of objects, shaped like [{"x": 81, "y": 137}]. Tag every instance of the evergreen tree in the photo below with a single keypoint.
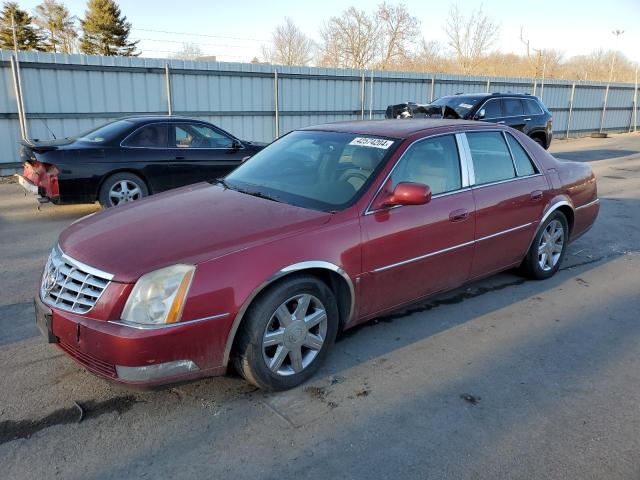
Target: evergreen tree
[
  {"x": 57, "y": 25},
  {"x": 105, "y": 31},
  {"x": 27, "y": 38}
]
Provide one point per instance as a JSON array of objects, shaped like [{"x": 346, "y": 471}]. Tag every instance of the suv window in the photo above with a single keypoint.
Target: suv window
[
  {"x": 154, "y": 135},
  {"x": 512, "y": 107},
  {"x": 524, "y": 165},
  {"x": 531, "y": 107},
  {"x": 434, "y": 162},
  {"x": 492, "y": 109},
  {"x": 490, "y": 156},
  {"x": 196, "y": 135}
]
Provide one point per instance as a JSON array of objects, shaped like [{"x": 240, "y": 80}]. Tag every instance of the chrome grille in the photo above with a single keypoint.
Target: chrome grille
[{"x": 70, "y": 285}]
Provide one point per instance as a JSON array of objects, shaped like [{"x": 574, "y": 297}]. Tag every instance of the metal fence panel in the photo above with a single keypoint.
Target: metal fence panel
[{"x": 69, "y": 94}]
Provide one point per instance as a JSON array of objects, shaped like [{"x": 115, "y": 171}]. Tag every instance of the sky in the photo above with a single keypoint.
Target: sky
[{"x": 235, "y": 31}]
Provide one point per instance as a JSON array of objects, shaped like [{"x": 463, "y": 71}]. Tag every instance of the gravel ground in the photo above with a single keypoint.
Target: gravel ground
[{"x": 504, "y": 378}]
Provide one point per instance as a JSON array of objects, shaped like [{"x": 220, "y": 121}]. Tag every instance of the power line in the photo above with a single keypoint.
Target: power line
[
  {"x": 196, "y": 43},
  {"x": 200, "y": 35}
]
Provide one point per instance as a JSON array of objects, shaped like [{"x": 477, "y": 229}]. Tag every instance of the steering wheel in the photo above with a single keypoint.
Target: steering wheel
[{"x": 353, "y": 174}]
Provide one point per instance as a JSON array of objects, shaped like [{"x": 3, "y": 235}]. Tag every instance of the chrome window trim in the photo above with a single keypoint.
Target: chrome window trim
[
  {"x": 464, "y": 187},
  {"x": 482, "y": 185},
  {"x": 175, "y": 124},
  {"x": 597, "y": 200},
  {"x": 140, "y": 326},
  {"x": 141, "y": 127},
  {"x": 306, "y": 265},
  {"x": 448, "y": 249}
]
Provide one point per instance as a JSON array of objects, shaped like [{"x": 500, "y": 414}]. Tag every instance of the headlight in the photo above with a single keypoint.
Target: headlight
[{"x": 158, "y": 297}]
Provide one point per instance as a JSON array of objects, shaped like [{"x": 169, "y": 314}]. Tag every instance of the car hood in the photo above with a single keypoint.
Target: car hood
[{"x": 188, "y": 225}]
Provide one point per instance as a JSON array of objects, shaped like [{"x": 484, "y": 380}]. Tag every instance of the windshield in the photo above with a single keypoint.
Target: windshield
[
  {"x": 106, "y": 132},
  {"x": 458, "y": 106},
  {"x": 312, "y": 169}
]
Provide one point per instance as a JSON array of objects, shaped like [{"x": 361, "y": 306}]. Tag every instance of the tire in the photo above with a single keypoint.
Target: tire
[
  {"x": 120, "y": 188},
  {"x": 539, "y": 141},
  {"x": 541, "y": 265},
  {"x": 265, "y": 350}
]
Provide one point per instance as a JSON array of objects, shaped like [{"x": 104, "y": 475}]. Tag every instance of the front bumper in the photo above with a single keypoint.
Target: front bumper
[{"x": 137, "y": 356}]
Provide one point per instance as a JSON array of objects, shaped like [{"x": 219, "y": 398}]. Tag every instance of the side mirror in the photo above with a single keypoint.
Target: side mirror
[
  {"x": 236, "y": 145},
  {"x": 480, "y": 115},
  {"x": 408, "y": 193}
]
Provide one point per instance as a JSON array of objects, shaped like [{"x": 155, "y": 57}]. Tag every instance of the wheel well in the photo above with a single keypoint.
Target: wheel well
[
  {"x": 123, "y": 170},
  {"x": 569, "y": 214},
  {"x": 541, "y": 135},
  {"x": 333, "y": 280}
]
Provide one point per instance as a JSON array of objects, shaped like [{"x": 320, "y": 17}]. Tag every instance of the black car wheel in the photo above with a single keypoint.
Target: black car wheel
[
  {"x": 122, "y": 188},
  {"x": 548, "y": 248},
  {"x": 287, "y": 333}
]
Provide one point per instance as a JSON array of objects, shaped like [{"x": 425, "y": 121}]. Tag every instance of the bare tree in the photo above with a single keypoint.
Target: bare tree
[
  {"x": 428, "y": 58},
  {"x": 290, "y": 46},
  {"x": 400, "y": 30},
  {"x": 190, "y": 51},
  {"x": 470, "y": 37},
  {"x": 351, "y": 40}
]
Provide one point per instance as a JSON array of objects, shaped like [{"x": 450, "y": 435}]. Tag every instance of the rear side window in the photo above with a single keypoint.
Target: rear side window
[
  {"x": 154, "y": 135},
  {"x": 492, "y": 109},
  {"x": 196, "y": 135},
  {"x": 524, "y": 165},
  {"x": 531, "y": 107},
  {"x": 512, "y": 107},
  {"x": 491, "y": 157},
  {"x": 434, "y": 162}
]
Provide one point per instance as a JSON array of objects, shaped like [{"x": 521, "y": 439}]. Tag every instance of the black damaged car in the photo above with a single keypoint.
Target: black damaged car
[{"x": 129, "y": 159}]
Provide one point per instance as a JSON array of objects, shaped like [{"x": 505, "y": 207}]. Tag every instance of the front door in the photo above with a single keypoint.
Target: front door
[
  {"x": 201, "y": 153},
  {"x": 413, "y": 251},
  {"x": 508, "y": 193}
]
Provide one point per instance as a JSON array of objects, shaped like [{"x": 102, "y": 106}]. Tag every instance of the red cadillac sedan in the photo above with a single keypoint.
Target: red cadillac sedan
[{"x": 325, "y": 228}]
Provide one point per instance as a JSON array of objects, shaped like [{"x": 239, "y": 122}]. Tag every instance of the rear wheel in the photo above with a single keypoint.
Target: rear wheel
[
  {"x": 287, "y": 333},
  {"x": 122, "y": 188},
  {"x": 548, "y": 248}
]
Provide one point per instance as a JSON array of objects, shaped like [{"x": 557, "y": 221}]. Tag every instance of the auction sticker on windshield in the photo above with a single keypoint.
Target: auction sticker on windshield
[{"x": 372, "y": 142}]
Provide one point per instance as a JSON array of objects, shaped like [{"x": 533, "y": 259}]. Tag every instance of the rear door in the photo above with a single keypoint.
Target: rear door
[
  {"x": 200, "y": 152},
  {"x": 412, "y": 251},
  {"x": 508, "y": 190},
  {"x": 513, "y": 113}
]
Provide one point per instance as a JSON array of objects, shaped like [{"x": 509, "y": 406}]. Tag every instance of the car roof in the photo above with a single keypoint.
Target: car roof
[
  {"x": 397, "y": 128},
  {"x": 493, "y": 94},
  {"x": 149, "y": 118}
]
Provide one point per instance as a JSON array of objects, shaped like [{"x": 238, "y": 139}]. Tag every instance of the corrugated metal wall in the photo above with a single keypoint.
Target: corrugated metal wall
[{"x": 68, "y": 94}]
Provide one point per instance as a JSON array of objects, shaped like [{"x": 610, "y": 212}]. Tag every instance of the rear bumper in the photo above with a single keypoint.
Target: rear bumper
[{"x": 138, "y": 356}]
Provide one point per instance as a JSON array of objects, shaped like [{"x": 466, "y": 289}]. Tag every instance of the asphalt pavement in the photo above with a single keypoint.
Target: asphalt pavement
[{"x": 504, "y": 378}]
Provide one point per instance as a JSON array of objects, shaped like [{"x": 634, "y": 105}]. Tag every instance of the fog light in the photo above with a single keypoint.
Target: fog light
[{"x": 153, "y": 372}]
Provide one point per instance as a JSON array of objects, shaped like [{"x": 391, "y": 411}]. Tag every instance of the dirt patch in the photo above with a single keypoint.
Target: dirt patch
[{"x": 9, "y": 179}]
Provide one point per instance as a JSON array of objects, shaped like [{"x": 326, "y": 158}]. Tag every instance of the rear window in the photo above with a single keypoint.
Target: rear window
[
  {"x": 531, "y": 107},
  {"x": 106, "y": 133},
  {"x": 512, "y": 107}
]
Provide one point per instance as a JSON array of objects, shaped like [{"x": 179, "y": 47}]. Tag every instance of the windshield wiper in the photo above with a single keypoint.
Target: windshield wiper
[
  {"x": 223, "y": 182},
  {"x": 258, "y": 194}
]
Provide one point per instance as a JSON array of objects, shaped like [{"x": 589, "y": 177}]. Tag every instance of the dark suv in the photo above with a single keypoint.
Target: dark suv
[{"x": 522, "y": 111}]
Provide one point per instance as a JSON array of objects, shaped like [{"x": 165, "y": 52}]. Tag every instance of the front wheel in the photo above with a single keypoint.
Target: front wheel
[
  {"x": 287, "y": 333},
  {"x": 548, "y": 248}
]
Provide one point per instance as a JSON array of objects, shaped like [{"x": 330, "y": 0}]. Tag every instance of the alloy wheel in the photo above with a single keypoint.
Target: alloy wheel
[
  {"x": 294, "y": 335},
  {"x": 551, "y": 245},
  {"x": 124, "y": 191}
]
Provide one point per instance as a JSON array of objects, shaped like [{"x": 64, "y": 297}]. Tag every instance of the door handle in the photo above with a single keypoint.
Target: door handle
[
  {"x": 536, "y": 195},
  {"x": 459, "y": 215},
  {"x": 180, "y": 157},
  {"x": 501, "y": 121},
  {"x": 527, "y": 119}
]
